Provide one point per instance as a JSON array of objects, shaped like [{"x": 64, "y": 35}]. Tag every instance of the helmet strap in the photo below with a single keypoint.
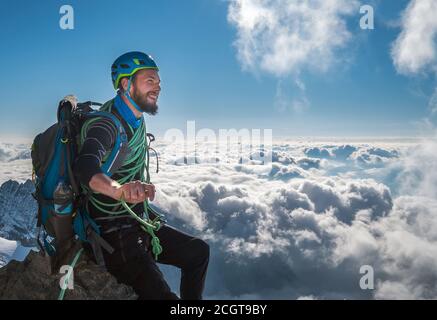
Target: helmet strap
[{"x": 127, "y": 95}]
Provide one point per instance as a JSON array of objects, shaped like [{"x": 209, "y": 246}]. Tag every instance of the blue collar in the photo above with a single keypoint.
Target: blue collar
[{"x": 126, "y": 112}]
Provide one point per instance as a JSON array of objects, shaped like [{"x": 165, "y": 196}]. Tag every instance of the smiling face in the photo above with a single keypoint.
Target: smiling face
[{"x": 145, "y": 90}]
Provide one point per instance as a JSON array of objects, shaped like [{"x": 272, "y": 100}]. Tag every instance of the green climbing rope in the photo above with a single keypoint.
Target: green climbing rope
[
  {"x": 139, "y": 160},
  {"x": 149, "y": 227},
  {"x": 70, "y": 271}
]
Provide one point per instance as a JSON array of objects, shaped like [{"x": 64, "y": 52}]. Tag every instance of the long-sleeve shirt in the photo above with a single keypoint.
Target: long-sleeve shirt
[{"x": 99, "y": 140}]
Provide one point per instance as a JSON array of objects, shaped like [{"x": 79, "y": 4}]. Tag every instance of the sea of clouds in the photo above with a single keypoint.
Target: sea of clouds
[{"x": 303, "y": 225}]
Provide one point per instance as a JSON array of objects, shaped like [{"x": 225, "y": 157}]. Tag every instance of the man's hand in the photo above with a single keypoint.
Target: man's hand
[
  {"x": 135, "y": 192},
  {"x": 132, "y": 192}
]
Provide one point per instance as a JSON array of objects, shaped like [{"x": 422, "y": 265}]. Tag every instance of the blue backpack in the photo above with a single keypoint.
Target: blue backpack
[{"x": 62, "y": 218}]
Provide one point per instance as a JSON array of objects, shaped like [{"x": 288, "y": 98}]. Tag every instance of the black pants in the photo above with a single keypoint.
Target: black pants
[{"x": 132, "y": 262}]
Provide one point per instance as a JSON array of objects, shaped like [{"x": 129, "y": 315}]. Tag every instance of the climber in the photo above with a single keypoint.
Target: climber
[{"x": 136, "y": 249}]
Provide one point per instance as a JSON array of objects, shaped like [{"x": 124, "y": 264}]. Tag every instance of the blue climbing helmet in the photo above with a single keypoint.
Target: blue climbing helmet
[{"x": 128, "y": 64}]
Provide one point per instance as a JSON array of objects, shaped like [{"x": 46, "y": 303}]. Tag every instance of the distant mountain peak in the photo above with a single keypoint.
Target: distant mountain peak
[{"x": 18, "y": 212}]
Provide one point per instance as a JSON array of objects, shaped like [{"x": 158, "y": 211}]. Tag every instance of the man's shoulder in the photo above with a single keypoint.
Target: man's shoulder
[
  {"x": 100, "y": 127},
  {"x": 103, "y": 116},
  {"x": 110, "y": 116}
]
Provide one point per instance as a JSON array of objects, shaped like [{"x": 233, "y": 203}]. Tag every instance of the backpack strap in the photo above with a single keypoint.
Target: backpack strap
[{"x": 120, "y": 150}]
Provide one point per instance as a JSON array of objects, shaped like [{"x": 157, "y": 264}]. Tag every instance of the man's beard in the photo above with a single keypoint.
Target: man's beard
[{"x": 143, "y": 104}]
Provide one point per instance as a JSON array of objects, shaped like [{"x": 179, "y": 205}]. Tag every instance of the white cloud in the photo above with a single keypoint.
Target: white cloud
[
  {"x": 363, "y": 155},
  {"x": 281, "y": 36},
  {"x": 418, "y": 170},
  {"x": 408, "y": 250},
  {"x": 14, "y": 161},
  {"x": 12, "y": 152},
  {"x": 183, "y": 208},
  {"x": 415, "y": 49}
]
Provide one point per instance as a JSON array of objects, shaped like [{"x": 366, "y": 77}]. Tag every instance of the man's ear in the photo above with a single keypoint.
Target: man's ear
[{"x": 124, "y": 82}]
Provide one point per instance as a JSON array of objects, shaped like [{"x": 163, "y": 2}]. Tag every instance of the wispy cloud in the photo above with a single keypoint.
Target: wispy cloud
[
  {"x": 291, "y": 97},
  {"x": 415, "y": 50},
  {"x": 281, "y": 37}
]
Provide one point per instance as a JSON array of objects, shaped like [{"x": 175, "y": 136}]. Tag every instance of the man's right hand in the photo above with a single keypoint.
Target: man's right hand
[
  {"x": 132, "y": 192},
  {"x": 135, "y": 192}
]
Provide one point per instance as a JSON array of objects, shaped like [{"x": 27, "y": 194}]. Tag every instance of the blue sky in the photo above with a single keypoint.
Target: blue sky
[{"x": 202, "y": 77}]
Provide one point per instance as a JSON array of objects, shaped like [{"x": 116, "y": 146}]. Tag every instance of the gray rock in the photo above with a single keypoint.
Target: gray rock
[{"x": 31, "y": 280}]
